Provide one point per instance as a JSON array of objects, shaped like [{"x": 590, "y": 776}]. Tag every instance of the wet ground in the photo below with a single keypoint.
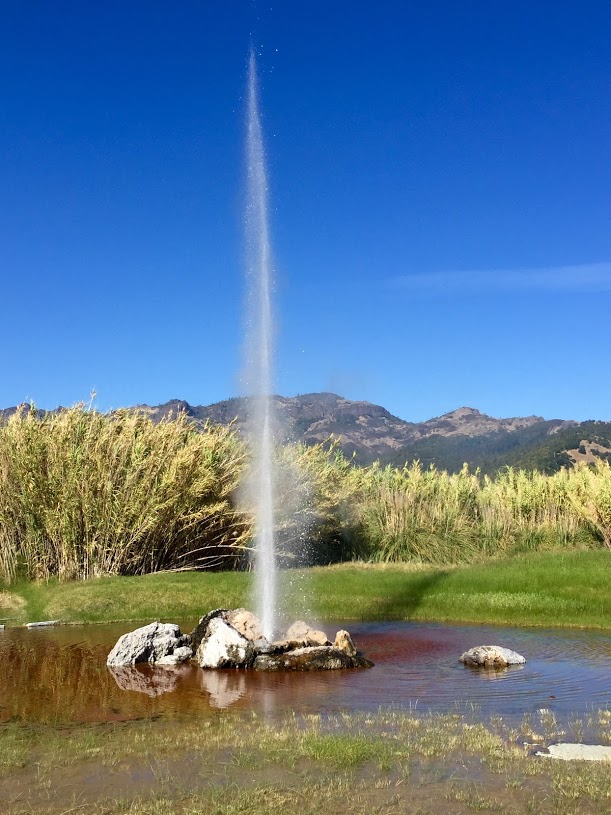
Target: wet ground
[{"x": 59, "y": 675}]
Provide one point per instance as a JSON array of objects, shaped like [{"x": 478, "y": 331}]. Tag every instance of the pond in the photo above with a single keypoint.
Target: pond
[{"x": 59, "y": 675}]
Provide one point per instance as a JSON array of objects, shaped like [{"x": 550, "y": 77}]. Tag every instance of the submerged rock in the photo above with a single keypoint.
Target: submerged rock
[
  {"x": 224, "y": 647},
  {"x": 578, "y": 752},
  {"x": 491, "y": 656},
  {"x": 151, "y": 643},
  {"x": 316, "y": 658}
]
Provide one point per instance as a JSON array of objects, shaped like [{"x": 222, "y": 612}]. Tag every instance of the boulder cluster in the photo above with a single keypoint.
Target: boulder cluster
[{"x": 233, "y": 638}]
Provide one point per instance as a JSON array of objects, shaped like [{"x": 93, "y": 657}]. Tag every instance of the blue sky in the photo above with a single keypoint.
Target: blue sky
[{"x": 440, "y": 183}]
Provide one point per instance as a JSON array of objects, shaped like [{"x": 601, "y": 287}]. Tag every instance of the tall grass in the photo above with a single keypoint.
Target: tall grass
[
  {"x": 83, "y": 494},
  {"x": 431, "y": 516}
]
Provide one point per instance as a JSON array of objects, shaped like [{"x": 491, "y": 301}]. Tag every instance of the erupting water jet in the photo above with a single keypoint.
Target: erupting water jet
[{"x": 259, "y": 369}]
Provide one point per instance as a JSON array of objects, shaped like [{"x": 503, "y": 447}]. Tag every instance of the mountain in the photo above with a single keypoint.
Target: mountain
[{"x": 370, "y": 433}]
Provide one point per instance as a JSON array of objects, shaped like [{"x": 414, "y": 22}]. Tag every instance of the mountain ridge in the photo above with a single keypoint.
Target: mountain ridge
[{"x": 368, "y": 432}]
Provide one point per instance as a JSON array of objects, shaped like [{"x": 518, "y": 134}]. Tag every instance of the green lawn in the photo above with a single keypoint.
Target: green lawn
[{"x": 572, "y": 589}]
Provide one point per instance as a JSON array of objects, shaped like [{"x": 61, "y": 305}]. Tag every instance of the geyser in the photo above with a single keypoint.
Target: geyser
[
  {"x": 260, "y": 355},
  {"x": 236, "y": 638}
]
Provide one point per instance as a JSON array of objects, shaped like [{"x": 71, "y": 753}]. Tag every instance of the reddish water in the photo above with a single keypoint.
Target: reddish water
[{"x": 60, "y": 675}]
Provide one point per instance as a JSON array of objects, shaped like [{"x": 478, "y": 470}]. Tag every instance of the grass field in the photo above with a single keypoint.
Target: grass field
[{"x": 570, "y": 589}]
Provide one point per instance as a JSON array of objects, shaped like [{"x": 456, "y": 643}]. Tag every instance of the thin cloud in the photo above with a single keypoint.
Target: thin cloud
[{"x": 586, "y": 278}]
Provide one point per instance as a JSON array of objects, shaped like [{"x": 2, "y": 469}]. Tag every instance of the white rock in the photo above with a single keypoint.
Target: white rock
[
  {"x": 491, "y": 656},
  {"x": 42, "y": 624},
  {"x": 147, "y": 644},
  {"x": 578, "y": 752},
  {"x": 224, "y": 647}
]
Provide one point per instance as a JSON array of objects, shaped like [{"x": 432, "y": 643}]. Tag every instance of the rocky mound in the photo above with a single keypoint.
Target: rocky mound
[{"x": 233, "y": 638}]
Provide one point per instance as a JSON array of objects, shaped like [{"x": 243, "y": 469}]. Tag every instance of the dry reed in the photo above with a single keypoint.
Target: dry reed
[
  {"x": 83, "y": 494},
  {"x": 433, "y": 516}
]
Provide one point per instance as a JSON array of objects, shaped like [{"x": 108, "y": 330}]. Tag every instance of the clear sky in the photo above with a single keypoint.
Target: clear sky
[{"x": 441, "y": 201}]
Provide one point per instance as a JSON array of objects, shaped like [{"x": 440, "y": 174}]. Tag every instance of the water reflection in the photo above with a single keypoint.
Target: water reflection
[
  {"x": 494, "y": 674},
  {"x": 60, "y": 675},
  {"x": 147, "y": 679},
  {"x": 223, "y": 687}
]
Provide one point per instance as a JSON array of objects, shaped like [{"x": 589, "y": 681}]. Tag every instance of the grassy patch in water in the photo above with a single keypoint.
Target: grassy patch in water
[
  {"x": 571, "y": 590},
  {"x": 386, "y": 763}
]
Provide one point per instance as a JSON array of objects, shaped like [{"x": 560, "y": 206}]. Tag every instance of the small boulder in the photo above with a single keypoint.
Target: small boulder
[
  {"x": 491, "y": 656},
  {"x": 320, "y": 658},
  {"x": 300, "y": 633},
  {"x": 224, "y": 647},
  {"x": 245, "y": 623},
  {"x": 150, "y": 643},
  {"x": 181, "y": 654},
  {"x": 344, "y": 642}
]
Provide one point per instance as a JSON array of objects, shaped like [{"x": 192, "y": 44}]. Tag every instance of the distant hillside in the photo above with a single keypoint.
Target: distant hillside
[{"x": 370, "y": 433}]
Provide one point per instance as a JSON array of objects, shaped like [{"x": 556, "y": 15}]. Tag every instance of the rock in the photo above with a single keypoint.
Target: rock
[
  {"x": 266, "y": 647},
  {"x": 199, "y": 632},
  {"x": 180, "y": 654},
  {"x": 150, "y": 643},
  {"x": 578, "y": 752},
  {"x": 491, "y": 656},
  {"x": 245, "y": 623},
  {"x": 224, "y": 647},
  {"x": 343, "y": 641},
  {"x": 300, "y": 633},
  {"x": 164, "y": 646},
  {"x": 319, "y": 658}
]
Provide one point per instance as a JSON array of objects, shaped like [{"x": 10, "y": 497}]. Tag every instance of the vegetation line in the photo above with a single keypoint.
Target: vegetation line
[
  {"x": 84, "y": 495},
  {"x": 549, "y": 590}
]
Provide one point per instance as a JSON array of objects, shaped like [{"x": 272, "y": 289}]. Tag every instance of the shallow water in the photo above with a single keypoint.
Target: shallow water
[{"x": 60, "y": 675}]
